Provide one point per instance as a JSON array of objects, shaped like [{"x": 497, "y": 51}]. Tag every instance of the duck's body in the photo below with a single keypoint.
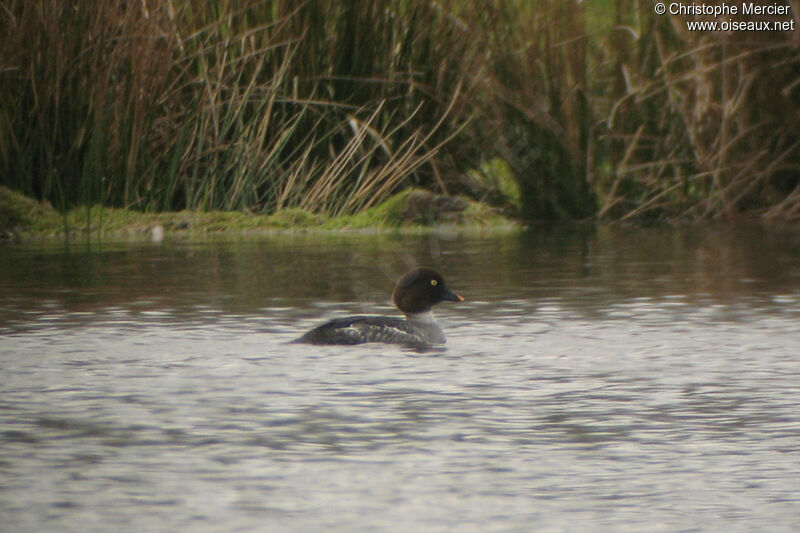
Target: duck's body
[
  {"x": 409, "y": 331},
  {"x": 415, "y": 294}
]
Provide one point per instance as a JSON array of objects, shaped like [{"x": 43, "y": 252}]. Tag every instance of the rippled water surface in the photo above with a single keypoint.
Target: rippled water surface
[{"x": 594, "y": 380}]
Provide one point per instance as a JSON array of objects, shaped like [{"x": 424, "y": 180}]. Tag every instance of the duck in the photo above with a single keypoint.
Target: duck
[{"x": 415, "y": 294}]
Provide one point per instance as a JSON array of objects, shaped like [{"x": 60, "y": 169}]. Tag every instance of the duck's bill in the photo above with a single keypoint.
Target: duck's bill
[{"x": 452, "y": 297}]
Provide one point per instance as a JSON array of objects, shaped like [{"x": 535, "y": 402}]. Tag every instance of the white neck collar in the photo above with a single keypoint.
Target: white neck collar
[{"x": 426, "y": 317}]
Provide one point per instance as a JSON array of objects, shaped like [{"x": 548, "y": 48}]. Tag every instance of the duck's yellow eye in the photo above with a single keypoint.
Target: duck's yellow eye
[{"x": 434, "y": 282}]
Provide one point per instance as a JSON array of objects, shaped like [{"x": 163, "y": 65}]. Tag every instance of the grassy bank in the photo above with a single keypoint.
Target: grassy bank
[
  {"x": 596, "y": 109},
  {"x": 22, "y": 218}
]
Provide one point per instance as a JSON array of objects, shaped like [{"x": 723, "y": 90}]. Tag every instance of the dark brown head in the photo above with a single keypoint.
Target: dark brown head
[{"x": 419, "y": 290}]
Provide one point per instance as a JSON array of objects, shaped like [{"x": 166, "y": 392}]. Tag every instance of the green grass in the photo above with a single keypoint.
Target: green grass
[{"x": 25, "y": 218}]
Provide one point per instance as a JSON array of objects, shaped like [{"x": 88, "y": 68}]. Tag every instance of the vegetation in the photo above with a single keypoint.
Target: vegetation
[
  {"x": 324, "y": 108},
  {"x": 412, "y": 209},
  {"x": 701, "y": 124}
]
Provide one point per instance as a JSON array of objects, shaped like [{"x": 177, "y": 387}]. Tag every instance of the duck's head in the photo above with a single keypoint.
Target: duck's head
[{"x": 419, "y": 290}]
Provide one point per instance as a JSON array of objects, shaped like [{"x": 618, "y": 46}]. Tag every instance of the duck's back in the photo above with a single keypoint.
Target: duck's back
[{"x": 361, "y": 329}]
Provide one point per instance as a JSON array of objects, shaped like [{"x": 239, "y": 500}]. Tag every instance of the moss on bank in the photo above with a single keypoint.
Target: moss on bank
[
  {"x": 24, "y": 218},
  {"x": 20, "y": 213}
]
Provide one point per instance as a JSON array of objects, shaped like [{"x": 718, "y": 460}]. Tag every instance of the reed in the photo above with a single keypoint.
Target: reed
[
  {"x": 540, "y": 114},
  {"x": 598, "y": 109},
  {"x": 231, "y": 105},
  {"x": 704, "y": 124}
]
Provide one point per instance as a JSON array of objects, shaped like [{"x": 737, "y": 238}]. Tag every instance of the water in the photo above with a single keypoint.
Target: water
[{"x": 603, "y": 380}]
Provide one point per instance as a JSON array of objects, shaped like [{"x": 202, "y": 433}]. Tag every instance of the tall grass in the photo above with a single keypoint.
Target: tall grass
[
  {"x": 325, "y": 105},
  {"x": 706, "y": 124},
  {"x": 598, "y": 108},
  {"x": 539, "y": 111}
]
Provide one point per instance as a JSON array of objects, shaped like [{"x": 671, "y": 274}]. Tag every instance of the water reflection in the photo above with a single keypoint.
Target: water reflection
[
  {"x": 588, "y": 270},
  {"x": 598, "y": 379}
]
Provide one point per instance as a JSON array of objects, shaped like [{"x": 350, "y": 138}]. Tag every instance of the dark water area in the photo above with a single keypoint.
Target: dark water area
[{"x": 596, "y": 379}]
